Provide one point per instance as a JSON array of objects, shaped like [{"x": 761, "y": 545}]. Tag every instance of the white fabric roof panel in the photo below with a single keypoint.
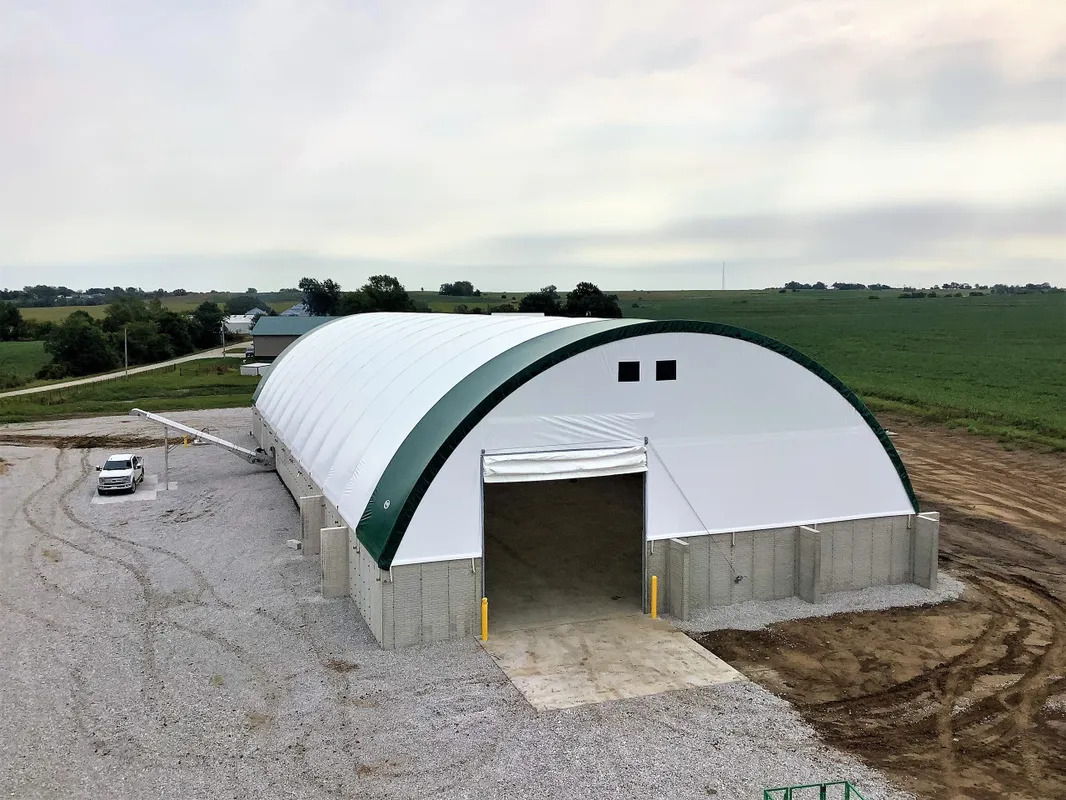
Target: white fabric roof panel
[
  {"x": 344, "y": 396},
  {"x": 754, "y": 439}
]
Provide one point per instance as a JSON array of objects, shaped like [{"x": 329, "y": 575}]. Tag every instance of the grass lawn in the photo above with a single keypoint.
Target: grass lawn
[
  {"x": 21, "y": 360},
  {"x": 205, "y": 383}
]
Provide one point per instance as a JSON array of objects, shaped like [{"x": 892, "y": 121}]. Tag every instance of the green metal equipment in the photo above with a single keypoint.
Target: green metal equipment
[{"x": 843, "y": 791}]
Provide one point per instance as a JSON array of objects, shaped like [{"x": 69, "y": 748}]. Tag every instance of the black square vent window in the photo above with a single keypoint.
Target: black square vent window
[
  {"x": 628, "y": 371},
  {"x": 666, "y": 370}
]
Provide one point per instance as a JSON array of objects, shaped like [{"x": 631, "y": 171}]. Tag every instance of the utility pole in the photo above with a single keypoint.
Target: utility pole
[
  {"x": 222, "y": 334},
  {"x": 723, "y": 276},
  {"x": 126, "y": 349}
]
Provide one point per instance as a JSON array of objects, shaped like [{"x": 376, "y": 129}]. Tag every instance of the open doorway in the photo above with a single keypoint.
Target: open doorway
[{"x": 562, "y": 551}]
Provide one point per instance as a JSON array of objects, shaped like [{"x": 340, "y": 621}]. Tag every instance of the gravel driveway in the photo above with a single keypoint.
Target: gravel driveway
[{"x": 176, "y": 648}]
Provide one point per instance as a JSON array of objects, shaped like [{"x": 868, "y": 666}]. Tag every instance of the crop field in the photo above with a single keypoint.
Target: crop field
[
  {"x": 990, "y": 364},
  {"x": 188, "y": 303},
  {"x": 205, "y": 383},
  {"x": 21, "y": 360}
]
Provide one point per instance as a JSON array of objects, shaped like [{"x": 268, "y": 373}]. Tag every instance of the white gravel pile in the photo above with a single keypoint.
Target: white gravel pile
[
  {"x": 176, "y": 648},
  {"x": 757, "y": 614}
]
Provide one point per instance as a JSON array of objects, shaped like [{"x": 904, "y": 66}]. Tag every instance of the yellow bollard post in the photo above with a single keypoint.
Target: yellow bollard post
[
  {"x": 654, "y": 596},
  {"x": 484, "y": 619}
]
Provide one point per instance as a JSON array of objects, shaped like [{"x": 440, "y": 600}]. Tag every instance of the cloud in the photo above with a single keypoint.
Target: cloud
[{"x": 440, "y": 137}]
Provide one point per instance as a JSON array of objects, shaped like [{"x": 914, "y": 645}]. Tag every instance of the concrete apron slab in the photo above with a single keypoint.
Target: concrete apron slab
[
  {"x": 581, "y": 663},
  {"x": 145, "y": 491}
]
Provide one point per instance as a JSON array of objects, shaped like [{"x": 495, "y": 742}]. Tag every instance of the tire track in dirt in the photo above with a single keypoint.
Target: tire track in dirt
[
  {"x": 962, "y": 700},
  {"x": 157, "y": 605},
  {"x": 43, "y": 531}
]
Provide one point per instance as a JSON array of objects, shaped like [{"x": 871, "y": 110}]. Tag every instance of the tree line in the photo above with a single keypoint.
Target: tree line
[
  {"x": 148, "y": 331},
  {"x": 386, "y": 293}
]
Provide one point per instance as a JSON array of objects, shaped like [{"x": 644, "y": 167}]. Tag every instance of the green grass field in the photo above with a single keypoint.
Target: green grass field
[
  {"x": 205, "y": 383},
  {"x": 995, "y": 364},
  {"x": 21, "y": 360}
]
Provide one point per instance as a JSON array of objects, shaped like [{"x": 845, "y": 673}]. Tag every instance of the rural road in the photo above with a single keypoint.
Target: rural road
[{"x": 218, "y": 352}]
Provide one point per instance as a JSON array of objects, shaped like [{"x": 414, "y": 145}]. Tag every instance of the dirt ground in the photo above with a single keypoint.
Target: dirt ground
[{"x": 967, "y": 699}]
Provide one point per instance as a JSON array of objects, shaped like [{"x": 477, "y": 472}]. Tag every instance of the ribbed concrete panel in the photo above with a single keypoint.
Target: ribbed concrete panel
[
  {"x": 312, "y": 521},
  {"x": 700, "y": 555},
  {"x": 843, "y": 567},
  {"x": 763, "y": 566},
  {"x": 333, "y": 562},
  {"x": 436, "y": 605},
  {"x": 809, "y": 564},
  {"x": 464, "y": 597},
  {"x": 825, "y": 561},
  {"x": 743, "y": 562},
  {"x": 720, "y": 575},
  {"x": 901, "y": 551},
  {"x": 679, "y": 583},
  {"x": 388, "y": 618},
  {"x": 881, "y": 561},
  {"x": 862, "y": 554},
  {"x": 407, "y": 605},
  {"x": 784, "y": 563},
  {"x": 926, "y": 545},
  {"x": 657, "y": 566}
]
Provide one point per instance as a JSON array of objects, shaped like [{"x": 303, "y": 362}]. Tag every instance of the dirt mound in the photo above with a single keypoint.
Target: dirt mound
[{"x": 108, "y": 442}]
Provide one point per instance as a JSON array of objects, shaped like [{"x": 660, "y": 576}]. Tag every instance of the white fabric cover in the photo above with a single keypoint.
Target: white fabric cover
[
  {"x": 743, "y": 439},
  {"x": 753, "y": 440},
  {"x": 554, "y": 465},
  {"x": 345, "y": 395}
]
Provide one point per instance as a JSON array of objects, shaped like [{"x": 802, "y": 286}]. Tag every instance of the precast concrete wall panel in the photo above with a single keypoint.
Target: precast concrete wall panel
[
  {"x": 436, "y": 605},
  {"x": 657, "y": 566},
  {"x": 407, "y": 605},
  {"x": 841, "y": 535},
  {"x": 679, "y": 578},
  {"x": 784, "y": 563},
  {"x": 881, "y": 545},
  {"x": 741, "y": 552},
  {"x": 809, "y": 565},
  {"x": 862, "y": 554},
  {"x": 762, "y": 572},
  {"x": 721, "y": 573},
  {"x": 901, "y": 550},
  {"x": 464, "y": 597},
  {"x": 700, "y": 555}
]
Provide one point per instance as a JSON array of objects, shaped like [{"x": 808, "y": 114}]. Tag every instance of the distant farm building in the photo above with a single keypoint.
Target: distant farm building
[
  {"x": 242, "y": 323},
  {"x": 271, "y": 335},
  {"x": 554, "y": 465}
]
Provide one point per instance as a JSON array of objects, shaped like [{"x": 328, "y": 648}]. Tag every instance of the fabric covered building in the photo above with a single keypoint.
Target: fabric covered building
[{"x": 553, "y": 465}]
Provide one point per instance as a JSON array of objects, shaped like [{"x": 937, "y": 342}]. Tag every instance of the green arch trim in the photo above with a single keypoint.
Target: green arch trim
[{"x": 428, "y": 446}]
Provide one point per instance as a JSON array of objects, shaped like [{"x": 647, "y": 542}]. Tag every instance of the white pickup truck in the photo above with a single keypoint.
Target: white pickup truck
[{"x": 120, "y": 473}]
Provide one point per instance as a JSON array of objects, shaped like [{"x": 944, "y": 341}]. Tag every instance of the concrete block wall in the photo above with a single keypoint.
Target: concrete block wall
[
  {"x": 865, "y": 552},
  {"x": 678, "y": 577},
  {"x": 723, "y": 569},
  {"x": 423, "y": 603},
  {"x": 333, "y": 562},
  {"x": 925, "y": 549},
  {"x": 809, "y": 554}
]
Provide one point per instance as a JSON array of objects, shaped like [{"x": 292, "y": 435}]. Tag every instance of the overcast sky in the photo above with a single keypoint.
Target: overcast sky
[{"x": 214, "y": 144}]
